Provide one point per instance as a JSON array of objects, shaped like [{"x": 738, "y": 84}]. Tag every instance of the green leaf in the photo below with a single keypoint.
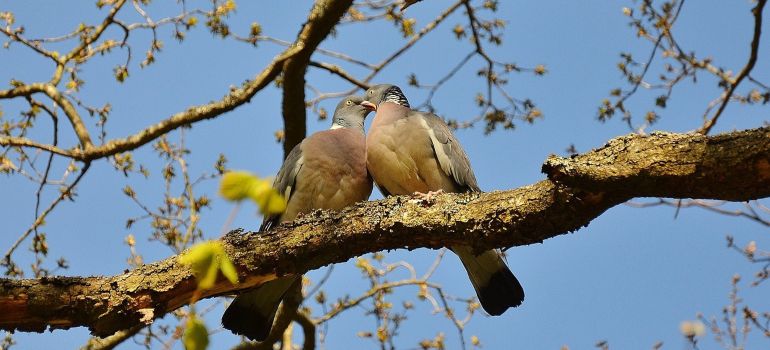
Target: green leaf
[
  {"x": 199, "y": 256},
  {"x": 228, "y": 269},
  {"x": 275, "y": 204},
  {"x": 196, "y": 336},
  {"x": 236, "y": 185},
  {"x": 239, "y": 185},
  {"x": 210, "y": 276},
  {"x": 259, "y": 191},
  {"x": 206, "y": 259}
]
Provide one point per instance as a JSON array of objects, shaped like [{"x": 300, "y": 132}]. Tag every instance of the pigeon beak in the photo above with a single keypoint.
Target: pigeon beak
[{"x": 368, "y": 105}]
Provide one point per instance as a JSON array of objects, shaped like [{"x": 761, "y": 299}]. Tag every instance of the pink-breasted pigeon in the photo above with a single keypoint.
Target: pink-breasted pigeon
[
  {"x": 325, "y": 171},
  {"x": 410, "y": 151}
]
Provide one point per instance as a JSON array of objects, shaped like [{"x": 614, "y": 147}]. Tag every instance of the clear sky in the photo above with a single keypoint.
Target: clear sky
[{"x": 630, "y": 277}]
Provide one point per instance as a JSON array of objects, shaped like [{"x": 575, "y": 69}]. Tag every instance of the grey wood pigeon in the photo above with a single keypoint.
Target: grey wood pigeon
[
  {"x": 410, "y": 151},
  {"x": 325, "y": 171}
]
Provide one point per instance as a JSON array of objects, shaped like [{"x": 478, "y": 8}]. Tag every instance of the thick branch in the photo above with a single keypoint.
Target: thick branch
[
  {"x": 323, "y": 17},
  {"x": 734, "y": 166}
]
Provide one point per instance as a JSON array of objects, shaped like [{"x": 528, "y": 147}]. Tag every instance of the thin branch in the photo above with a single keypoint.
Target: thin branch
[
  {"x": 27, "y": 90},
  {"x": 480, "y": 50},
  {"x": 713, "y": 206},
  {"x": 446, "y": 78},
  {"x": 322, "y": 51},
  {"x": 321, "y": 282},
  {"x": 424, "y": 31},
  {"x": 378, "y": 287},
  {"x": 759, "y": 83},
  {"x": 375, "y": 69},
  {"x": 65, "y": 193},
  {"x": 757, "y": 11},
  {"x": 12, "y": 141},
  {"x": 88, "y": 40},
  {"x": 32, "y": 44},
  {"x": 47, "y": 171},
  {"x": 110, "y": 342},
  {"x": 337, "y": 70}
]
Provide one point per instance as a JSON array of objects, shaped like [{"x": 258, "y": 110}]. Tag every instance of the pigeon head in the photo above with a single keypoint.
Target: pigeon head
[
  {"x": 351, "y": 112},
  {"x": 386, "y": 93}
]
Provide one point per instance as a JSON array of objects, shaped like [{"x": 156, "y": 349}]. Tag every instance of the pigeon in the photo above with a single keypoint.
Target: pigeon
[
  {"x": 325, "y": 171},
  {"x": 412, "y": 152}
]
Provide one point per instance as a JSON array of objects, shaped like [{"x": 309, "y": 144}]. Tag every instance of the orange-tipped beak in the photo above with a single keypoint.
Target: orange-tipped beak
[{"x": 368, "y": 105}]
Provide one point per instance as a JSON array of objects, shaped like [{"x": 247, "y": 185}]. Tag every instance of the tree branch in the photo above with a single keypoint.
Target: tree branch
[
  {"x": 322, "y": 19},
  {"x": 325, "y": 14},
  {"x": 90, "y": 39},
  {"x": 66, "y": 193},
  {"x": 337, "y": 70},
  {"x": 729, "y": 166},
  {"x": 50, "y": 90},
  {"x": 13, "y": 141},
  {"x": 757, "y": 12},
  {"x": 733, "y": 166}
]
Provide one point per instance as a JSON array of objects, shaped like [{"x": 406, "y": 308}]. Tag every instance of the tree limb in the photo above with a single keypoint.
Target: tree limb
[
  {"x": 733, "y": 166},
  {"x": 322, "y": 19},
  {"x": 13, "y": 141},
  {"x": 193, "y": 114}
]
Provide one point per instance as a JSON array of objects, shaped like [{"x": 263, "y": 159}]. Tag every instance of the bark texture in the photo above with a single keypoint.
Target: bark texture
[{"x": 733, "y": 166}]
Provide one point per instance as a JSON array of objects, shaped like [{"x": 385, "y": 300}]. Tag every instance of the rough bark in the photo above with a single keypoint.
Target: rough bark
[{"x": 734, "y": 166}]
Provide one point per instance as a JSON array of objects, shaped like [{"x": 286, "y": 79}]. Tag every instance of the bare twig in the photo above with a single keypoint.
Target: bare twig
[
  {"x": 337, "y": 70},
  {"x": 757, "y": 11},
  {"x": 65, "y": 193}
]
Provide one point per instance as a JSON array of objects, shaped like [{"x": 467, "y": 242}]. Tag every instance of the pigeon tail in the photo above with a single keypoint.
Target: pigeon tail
[
  {"x": 251, "y": 314},
  {"x": 495, "y": 285}
]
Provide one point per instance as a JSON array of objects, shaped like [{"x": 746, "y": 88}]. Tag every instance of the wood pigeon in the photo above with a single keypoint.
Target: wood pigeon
[
  {"x": 325, "y": 171},
  {"x": 410, "y": 151}
]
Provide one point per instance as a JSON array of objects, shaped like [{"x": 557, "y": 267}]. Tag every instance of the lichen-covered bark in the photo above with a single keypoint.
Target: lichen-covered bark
[
  {"x": 104, "y": 304},
  {"x": 734, "y": 166},
  {"x": 682, "y": 165}
]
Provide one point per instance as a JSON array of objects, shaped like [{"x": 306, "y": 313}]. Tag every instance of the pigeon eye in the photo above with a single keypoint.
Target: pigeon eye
[{"x": 349, "y": 102}]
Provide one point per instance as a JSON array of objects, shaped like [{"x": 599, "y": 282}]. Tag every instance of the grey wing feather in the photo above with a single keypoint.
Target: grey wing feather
[
  {"x": 451, "y": 156},
  {"x": 284, "y": 183}
]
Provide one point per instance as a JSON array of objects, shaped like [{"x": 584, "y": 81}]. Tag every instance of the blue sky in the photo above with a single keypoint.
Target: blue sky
[{"x": 630, "y": 277}]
